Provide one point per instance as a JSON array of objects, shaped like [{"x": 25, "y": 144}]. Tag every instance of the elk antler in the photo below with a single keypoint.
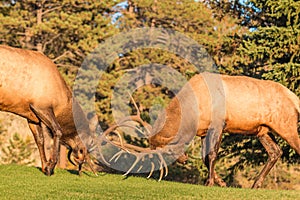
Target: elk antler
[
  {"x": 88, "y": 161},
  {"x": 139, "y": 152}
]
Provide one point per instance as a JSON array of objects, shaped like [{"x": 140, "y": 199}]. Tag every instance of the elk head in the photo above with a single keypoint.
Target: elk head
[
  {"x": 165, "y": 132},
  {"x": 80, "y": 143},
  {"x": 79, "y": 154}
]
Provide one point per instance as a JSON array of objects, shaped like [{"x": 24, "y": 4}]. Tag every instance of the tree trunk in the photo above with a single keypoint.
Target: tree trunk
[{"x": 39, "y": 16}]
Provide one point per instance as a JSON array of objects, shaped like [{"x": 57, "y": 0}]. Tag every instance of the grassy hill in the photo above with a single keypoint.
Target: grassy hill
[{"x": 21, "y": 182}]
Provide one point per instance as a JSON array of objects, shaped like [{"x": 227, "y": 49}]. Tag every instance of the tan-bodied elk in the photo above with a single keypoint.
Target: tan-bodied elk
[
  {"x": 210, "y": 104},
  {"x": 239, "y": 105},
  {"x": 32, "y": 87}
]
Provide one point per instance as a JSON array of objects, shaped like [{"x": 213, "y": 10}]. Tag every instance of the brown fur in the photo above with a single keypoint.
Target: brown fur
[
  {"x": 32, "y": 87},
  {"x": 252, "y": 107}
]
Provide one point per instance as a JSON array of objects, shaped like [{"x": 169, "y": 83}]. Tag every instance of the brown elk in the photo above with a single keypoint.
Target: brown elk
[
  {"x": 210, "y": 104},
  {"x": 32, "y": 87},
  {"x": 251, "y": 107}
]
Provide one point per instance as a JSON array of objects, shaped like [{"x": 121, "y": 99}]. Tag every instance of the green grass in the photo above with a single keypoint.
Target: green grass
[{"x": 21, "y": 182}]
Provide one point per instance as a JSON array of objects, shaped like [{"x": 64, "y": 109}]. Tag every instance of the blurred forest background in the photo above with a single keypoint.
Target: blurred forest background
[{"x": 257, "y": 38}]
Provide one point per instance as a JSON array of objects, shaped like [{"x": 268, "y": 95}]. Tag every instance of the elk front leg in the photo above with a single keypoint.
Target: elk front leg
[
  {"x": 274, "y": 153},
  {"x": 210, "y": 146},
  {"x": 38, "y": 135},
  {"x": 47, "y": 117}
]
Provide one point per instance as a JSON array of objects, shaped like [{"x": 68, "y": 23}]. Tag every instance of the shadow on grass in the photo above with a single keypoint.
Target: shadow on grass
[{"x": 75, "y": 172}]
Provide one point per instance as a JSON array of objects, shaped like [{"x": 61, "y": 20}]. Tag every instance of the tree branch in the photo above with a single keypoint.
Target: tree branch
[
  {"x": 48, "y": 42},
  {"x": 66, "y": 53},
  {"x": 51, "y": 9}
]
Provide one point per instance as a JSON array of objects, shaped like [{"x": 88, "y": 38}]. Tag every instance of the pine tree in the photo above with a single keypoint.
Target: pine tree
[
  {"x": 18, "y": 151},
  {"x": 270, "y": 48}
]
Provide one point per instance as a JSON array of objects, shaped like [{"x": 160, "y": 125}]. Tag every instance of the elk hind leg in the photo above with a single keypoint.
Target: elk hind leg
[
  {"x": 290, "y": 134},
  {"x": 48, "y": 118},
  {"x": 274, "y": 153}
]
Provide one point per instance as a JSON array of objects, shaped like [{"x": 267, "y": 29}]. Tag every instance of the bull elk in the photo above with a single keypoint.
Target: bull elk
[
  {"x": 32, "y": 87},
  {"x": 252, "y": 107},
  {"x": 210, "y": 104}
]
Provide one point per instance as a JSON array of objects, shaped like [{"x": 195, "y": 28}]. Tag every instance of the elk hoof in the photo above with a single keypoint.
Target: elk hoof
[
  {"x": 256, "y": 185},
  {"x": 220, "y": 183},
  {"x": 210, "y": 182}
]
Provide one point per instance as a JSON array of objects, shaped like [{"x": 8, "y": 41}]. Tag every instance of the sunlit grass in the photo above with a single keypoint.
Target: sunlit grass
[{"x": 21, "y": 182}]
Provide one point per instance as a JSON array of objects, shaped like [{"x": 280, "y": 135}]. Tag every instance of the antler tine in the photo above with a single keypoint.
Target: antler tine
[
  {"x": 120, "y": 138},
  {"x": 161, "y": 173},
  {"x": 163, "y": 164},
  {"x": 116, "y": 156},
  {"x": 134, "y": 103},
  {"x": 89, "y": 162},
  {"x": 151, "y": 171},
  {"x": 138, "y": 118},
  {"x": 104, "y": 160},
  {"x": 140, "y": 168},
  {"x": 138, "y": 158}
]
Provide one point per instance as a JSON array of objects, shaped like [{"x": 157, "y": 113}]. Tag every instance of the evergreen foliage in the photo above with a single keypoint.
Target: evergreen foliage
[
  {"x": 270, "y": 49},
  {"x": 18, "y": 151},
  {"x": 66, "y": 31}
]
